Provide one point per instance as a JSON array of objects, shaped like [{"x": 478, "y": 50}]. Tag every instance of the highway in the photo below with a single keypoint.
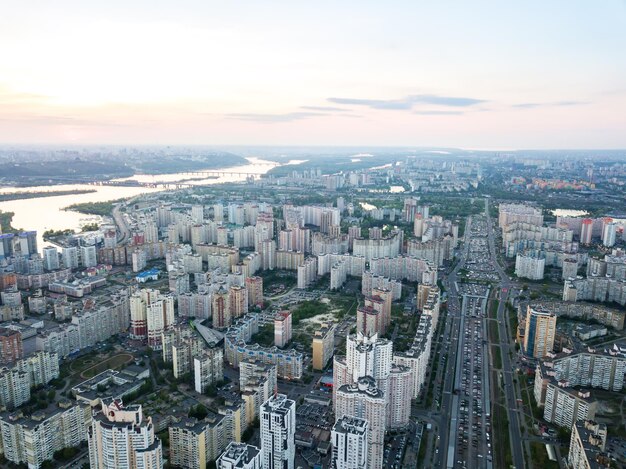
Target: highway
[
  {"x": 118, "y": 217},
  {"x": 448, "y": 425},
  {"x": 506, "y": 347},
  {"x": 464, "y": 425}
]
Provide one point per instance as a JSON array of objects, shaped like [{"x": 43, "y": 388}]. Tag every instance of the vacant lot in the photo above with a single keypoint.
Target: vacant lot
[{"x": 115, "y": 362}]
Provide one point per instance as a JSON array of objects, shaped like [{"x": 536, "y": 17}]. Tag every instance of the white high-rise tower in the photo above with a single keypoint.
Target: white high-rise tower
[
  {"x": 278, "y": 432},
  {"x": 349, "y": 440}
]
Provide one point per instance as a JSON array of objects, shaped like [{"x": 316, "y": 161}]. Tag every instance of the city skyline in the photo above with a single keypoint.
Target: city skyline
[{"x": 486, "y": 76}]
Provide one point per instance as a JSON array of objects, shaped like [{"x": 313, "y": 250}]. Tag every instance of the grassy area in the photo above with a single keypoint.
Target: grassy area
[
  {"x": 502, "y": 439},
  {"x": 285, "y": 278},
  {"x": 306, "y": 310},
  {"x": 493, "y": 310},
  {"x": 344, "y": 304},
  {"x": 494, "y": 334},
  {"x": 497, "y": 358},
  {"x": 539, "y": 456},
  {"x": 265, "y": 336}
]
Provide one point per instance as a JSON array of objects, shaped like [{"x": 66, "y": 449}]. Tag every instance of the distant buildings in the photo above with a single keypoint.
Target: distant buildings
[{"x": 509, "y": 213}]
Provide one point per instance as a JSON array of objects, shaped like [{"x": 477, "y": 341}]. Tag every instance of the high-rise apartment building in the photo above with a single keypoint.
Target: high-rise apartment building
[
  {"x": 530, "y": 265},
  {"x": 366, "y": 401},
  {"x": 564, "y": 406},
  {"x": 10, "y": 346},
  {"x": 365, "y": 356},
  {"x": 539, "y": 332},
  {"x": 238, "y": 298},
  {"x": 399, "y": 397},
  {"x": 121, "y": 437},
  {"x": 349, "y": 438},
  {"x": 69, "y": 256},
  {"x": 282, "y": 328},
  {"x": 50, "y": 258},
  {"x": 88, "y": 256},
  {"x": 587, "y": 446},
  {"x": 208, "y": 367},
  {"x": 254, "y": 285},
  {"x": 323, "y": 346},
  {"x": 33, "y": 439},
  {"x": 586, "y": 231},
  {"x": 278, "y": 430},
  {"x": 151, "y": 314},
  {"x": 220, "y": 309},
  {"x": 609, "y": 232}
]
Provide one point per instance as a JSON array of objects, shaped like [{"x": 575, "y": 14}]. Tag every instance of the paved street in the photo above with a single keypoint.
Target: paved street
[
  {"x": 506, "y": 348},
  {"x": 464, "y": 386}
]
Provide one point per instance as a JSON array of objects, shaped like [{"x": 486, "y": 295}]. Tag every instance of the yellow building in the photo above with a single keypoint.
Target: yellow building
[{"x": 323, "y": 346}]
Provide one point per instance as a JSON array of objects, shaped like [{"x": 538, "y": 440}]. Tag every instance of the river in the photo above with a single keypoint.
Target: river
[{"x": 46, "y": 213}]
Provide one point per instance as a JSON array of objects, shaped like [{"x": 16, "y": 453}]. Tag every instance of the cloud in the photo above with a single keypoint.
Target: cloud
[
  {"x": 323, "y": 108},
  {"x": 285, "y": 117},
  {"x": 526, "y": 105},
  {"x": 439, "y": 113},
  {"x": 374, "y": 103},
  {"x": 553, "y": 104},
  {"x": 446, "y": 100},
  {"x": 407, "y": 103}
]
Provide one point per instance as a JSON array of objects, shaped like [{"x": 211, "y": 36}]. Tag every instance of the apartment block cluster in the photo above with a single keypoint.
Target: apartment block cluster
[
  {"x": 22, "y": 265},
  {"x": 373, "y": 387},
  {"x": 605, "y": 280},
  {"x": 535, "y": 246},
  {"x": 564, "y": 382},
  {"x": 388, "y": 255},
  {"x": 439, "y": 176}
]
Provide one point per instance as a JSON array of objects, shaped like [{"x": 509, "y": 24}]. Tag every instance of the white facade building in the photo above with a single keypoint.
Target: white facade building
[{"x": 278, "y": 431}]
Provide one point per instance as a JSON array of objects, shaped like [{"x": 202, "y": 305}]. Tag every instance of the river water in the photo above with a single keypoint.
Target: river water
[{"x": 46, "y": 213}]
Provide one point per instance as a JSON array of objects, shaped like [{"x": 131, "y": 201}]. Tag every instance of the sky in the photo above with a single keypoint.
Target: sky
[{"x": 479, "y": 74}]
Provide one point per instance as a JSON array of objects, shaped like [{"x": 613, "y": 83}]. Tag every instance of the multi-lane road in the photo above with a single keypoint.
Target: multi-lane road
[
  {"x": 464, "y": 427},
  {"x": 507, "y": 350}
]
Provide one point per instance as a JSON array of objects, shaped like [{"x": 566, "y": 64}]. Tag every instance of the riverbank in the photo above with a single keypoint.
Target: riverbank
[{"x": 7, "y": 196}]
